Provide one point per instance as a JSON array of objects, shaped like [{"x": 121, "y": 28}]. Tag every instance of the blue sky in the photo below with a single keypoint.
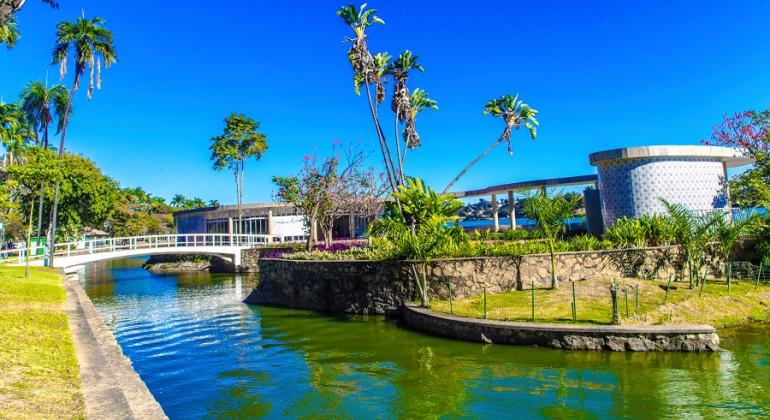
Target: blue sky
[{"x": 602, "y": 74}]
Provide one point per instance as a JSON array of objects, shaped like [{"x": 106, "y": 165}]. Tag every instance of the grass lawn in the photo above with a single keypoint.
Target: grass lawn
[
  {"x": 40, "y": 377},
  {"x": 647, "y": 303}
]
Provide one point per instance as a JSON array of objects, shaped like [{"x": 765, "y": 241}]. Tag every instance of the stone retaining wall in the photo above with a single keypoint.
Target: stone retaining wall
[
  {"x": 382, "y": 286},
  {"x": 699, "y": 338}
]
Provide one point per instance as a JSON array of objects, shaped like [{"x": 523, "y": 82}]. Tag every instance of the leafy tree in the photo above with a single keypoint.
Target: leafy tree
[
  {"x": 549, "y": 214},
  {"x": 90, "y": 43},
  {"x": 515, "y": 113},
  {"x": 239, "y": 142},
  {"x": 421, "y": 228}
]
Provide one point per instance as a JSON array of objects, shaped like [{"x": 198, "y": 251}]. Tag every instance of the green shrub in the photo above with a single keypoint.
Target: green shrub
[
  {"x": 585, "y": 243},
  {"x": 627, "y": 233},
  {"x": 515, "y": 234}
]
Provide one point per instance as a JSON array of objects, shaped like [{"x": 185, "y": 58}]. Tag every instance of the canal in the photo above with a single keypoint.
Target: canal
[{"x": 203, "y": 353}]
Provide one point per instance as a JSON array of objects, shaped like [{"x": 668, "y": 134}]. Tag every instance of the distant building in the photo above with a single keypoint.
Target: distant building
[
  {"x": 633, "y": 180},
  {"x": 275, "y": 219}
]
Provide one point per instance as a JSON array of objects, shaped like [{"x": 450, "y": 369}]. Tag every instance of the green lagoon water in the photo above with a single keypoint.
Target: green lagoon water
[{"x": 203, "y": 354}]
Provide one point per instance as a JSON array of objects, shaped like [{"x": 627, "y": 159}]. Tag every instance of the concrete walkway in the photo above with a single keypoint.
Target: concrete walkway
[{"x": 111, "y": 387}]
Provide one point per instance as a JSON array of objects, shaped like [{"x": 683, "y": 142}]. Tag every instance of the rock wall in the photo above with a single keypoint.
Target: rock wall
[
  {"x": 362, "y": 287},
  {"x": 380, "y": 287},
  {"x": 698, "y": 338}
]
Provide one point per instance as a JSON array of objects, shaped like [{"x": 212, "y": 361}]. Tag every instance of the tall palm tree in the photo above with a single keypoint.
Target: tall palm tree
[
  {"x": 41, "y": 105},
  {"x": 401, "y": 103},
  {"x": 515, "y": 113},
  {"x": 90, "y": 43},
  {"x": 178, "y": 200},
  {"x": 367, "y": 71}
]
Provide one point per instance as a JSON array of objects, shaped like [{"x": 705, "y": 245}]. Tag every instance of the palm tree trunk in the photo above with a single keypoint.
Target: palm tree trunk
[
  {"x": 554, "y": 280},
  {"x": 54, "y": 210},
  {"x": 398, "y": 146},
  {"x": 470, "y": 165},
  {"x": 42, "y": 191},
  {"x": 383, "y": 143}
]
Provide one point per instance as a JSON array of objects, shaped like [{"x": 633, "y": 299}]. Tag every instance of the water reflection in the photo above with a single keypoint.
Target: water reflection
[{"x": 205, "y": 354}]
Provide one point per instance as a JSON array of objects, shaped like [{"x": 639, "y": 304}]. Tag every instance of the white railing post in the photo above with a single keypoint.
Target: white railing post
[
  {"x": 90, "y": 247},
  {"x": 68, "y": 249}
]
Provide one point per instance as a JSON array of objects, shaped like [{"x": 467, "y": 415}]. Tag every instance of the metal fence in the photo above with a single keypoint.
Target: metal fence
[{"x": 592, "y": 301}]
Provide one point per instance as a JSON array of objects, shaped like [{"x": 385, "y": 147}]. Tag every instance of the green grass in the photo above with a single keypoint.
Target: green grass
[
  {"x": 40, "y": 376},
  {"x": 745, "y": 303}
]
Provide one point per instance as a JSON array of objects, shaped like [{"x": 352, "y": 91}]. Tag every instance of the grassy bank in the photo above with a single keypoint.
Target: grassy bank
[
  {"x": 40, "y": 376},
  {"x": 640, "y": 302}
]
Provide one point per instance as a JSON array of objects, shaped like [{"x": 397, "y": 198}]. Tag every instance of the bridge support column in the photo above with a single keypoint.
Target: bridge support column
[
  {"x": 511, "y": 210},
  {"x": 230, "y": 229}
]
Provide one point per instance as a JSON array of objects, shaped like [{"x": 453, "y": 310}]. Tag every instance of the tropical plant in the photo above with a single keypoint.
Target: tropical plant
[
  {"x": 240, "y": 141},
  {"x": 549, "y": 214},
  {"x": 692, "y": 232},
  {"x": 727, "y": 231},
  {"x": 90, "y": 43},
  {"x": 627, "y": 233},
  {"x": 213, "y": 203},
  {"x": 43, "y": 105},
  {"x": 178, "y": 200},
  {"x": 422, "y": 227},
  {"x": 515, "y": 113},
  {"x": 15, "y": 131}
]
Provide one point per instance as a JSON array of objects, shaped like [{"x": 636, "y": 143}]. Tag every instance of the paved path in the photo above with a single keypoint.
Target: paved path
[{"x": 111, "y": 387}]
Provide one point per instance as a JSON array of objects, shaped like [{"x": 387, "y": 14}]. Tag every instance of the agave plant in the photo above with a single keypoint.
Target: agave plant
[{"x": 515, "y": 113}]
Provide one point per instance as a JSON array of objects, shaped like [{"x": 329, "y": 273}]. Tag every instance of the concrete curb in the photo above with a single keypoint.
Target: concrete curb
[
  {"x": 111, "y": 386},
  {"x": 692, "y": 338}
]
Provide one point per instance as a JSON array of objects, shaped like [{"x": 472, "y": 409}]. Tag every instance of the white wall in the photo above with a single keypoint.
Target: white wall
[{"x": 288, "y": 226}]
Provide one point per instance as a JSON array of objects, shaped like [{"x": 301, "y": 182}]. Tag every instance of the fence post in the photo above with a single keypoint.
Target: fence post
[
  {"x": 485, "y": 303},
  {"x": 614, "y": 295},
  {"x": 533, "y": 301},
  {"x": 668, "y": 288},
  {"x": 759, "y": 273},
  {"x": 574, "y": 304},
  {"x": 636, "y": 301},
  {"x": 625, "y": 292},
  {"x": 702, "y": 283},
  {"x": 449, "y": 285},
  {"x": 729, "y": 277}
]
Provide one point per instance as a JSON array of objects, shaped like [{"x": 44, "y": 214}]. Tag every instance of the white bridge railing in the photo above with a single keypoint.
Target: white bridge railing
[{"x": 192, "y": 240}]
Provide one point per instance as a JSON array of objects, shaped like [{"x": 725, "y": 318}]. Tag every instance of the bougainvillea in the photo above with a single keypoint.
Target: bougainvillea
[{"x": 747, "y": 130}]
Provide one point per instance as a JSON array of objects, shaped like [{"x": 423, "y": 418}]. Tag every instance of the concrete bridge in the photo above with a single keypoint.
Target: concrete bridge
[{"x": 69, "y": 255}]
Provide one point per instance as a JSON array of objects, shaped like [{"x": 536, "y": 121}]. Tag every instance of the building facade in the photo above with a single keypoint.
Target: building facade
[{"x": 279, "y": 220}]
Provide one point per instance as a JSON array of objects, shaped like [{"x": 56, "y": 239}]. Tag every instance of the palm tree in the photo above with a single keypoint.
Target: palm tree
[
  {"x": 90, "y": 43},
  {"x": 15, "y": 131},
  {"x": 239, "y": 142},
  {"x": 514, "y": 113},
  {"x": 401, "y": 103},
  {"x": 692, "y": 233},
  {"x": 178, "y": 200},
  {"x": 42, "y": 105},
  {"x": 213, "y": 203},
  {"x": 367, "y": 71},
  {"x": 419, "y": 101},
  {"x": 9, "y": 35},
  {"x": 727, "y": 232},
  {"x": 549, "y": 214}
]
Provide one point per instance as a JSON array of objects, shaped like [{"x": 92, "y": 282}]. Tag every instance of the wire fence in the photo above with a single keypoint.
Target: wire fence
[{"x": 595, "y": 301}]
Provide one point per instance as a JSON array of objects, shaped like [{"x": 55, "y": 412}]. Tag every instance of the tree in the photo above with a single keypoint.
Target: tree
[
  {"x": 549, "y": 214},
  {"x": 8, "y": 32},
  {"x": 239, "y": 142},
  {"x": 213, "y": 203},
  {"x": 90, "y": 43},
  {"x": 15, "y": 131},
  {"x": 727, "y": 231},
  {"x": 327, "y": 186},
  {"x": 515, "y": 113},
  {"x": 692, "y": 232},
  {"x": 422, "y": 227},
  {"x": 178, "y": 201},
  {"x": 42, "y": 105}
]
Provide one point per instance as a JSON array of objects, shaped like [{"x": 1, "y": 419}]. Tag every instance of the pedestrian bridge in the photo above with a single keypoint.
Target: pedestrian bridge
[{"x": 69, "y": 255}]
